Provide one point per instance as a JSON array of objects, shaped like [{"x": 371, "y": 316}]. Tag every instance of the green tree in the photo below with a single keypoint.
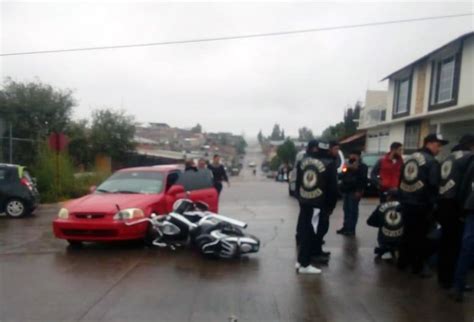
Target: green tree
[
  {"x": 276, "y": 133},
  {"x": 241, "y": 145},
  {"x": 34, "y": 110},
  {"x": 197, "y": 128},
  {"x": 112, "y": 133},
  {"x": 275, "y": 163},
  {"x": 260, "y": 136},
  {"x": 80, "y": 143},
  {"x": 287, "y": 152},
  {"x": 305, "y": 134}
]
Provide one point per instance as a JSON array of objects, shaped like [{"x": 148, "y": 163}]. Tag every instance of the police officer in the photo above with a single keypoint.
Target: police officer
[
  {"x": 466, "y": 255},
  {"x": 316, "y": 189},
  {"x": 449, "y": 212},
  {"x": 419, "y": 184}
]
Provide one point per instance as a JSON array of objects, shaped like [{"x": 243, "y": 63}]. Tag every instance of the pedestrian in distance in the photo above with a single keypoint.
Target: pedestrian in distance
[
  {"x": 466, "y": 255},
  {"x": 388, "y": 219},
  {"x": 449, "y": 212},
  {"x": 386, "y": 172},
  {"x": 354, "y": 182},
  {"x": 316, "y": 190},
  {"x": 218, "y": 172},
  {"x": 419, "y": 185}
]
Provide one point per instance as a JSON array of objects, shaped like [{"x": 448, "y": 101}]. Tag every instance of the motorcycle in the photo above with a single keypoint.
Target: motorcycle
[{"x": 192, "y": 223}]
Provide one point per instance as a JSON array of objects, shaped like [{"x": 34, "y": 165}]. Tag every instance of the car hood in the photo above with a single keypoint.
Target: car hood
[{"x": 109, "y": 202}]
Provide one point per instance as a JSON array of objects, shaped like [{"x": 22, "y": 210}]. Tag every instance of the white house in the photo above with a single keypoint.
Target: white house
[{"x": 435, "y": 93}]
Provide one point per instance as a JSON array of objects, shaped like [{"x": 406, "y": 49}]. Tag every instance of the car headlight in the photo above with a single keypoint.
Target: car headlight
[
  {"x": 63, "y": 213},
  {"x": 131, "y": 213}
]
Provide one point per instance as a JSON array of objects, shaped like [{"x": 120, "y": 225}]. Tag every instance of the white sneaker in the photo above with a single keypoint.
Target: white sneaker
[
  {"x": 310, "y": 269},
  {"x": 387, "y": 256},
  {"x": 297, "y": 265}
]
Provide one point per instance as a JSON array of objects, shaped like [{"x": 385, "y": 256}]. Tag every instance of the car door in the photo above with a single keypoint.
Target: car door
[
  {"x": 199, "y": 187},
  {"x": 3, "y": 187}
]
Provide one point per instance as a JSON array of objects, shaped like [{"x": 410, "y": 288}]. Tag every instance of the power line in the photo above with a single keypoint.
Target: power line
[{"x": 270, "y": 34}]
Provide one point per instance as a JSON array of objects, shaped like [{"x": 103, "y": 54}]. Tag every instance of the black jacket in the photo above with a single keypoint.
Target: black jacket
[
  {"x": 354, "y": 179},
  {"x": 321, "y": 170},
  {"x": 453, "y": 170},
  {"x": 218, "y": 173},
  {"x": 388, "y": 218},
  {"x": 466, "y": 194},
  {"x": 420, "y": 179}
]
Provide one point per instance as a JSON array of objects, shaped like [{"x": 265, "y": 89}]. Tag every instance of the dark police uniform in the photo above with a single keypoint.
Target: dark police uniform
[
  {"x": 449, "y": 213},
  {"x": 388, "y": 218},
  {"x": 316, "y": 188},
  {"x": 466, "y": 255},
  {"x": 419, "y": 184}
]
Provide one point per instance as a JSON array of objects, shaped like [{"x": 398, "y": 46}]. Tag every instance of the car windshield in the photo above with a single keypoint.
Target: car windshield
[
  {"x": 145, "y": 182},
  {"x": 370, "y": 160}
]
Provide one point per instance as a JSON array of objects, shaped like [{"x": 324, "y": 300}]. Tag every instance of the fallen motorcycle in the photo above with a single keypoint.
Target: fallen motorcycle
[{"x": 192, "y": 223}]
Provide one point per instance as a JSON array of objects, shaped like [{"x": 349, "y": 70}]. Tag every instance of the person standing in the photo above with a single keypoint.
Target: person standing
[
  {"x": 450, "y": 211},
  {"x": 466, "y": 255},
  {"x": 386, "y": 172},
  {"x": 354, "y": 182},
  {"x": 419, "y": 184},
  {"x": 219, "y": 173},
  {"x": 316, "y": 190}
]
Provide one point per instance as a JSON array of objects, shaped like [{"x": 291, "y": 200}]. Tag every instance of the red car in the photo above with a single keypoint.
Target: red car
[{"x": 127, "y": 195}]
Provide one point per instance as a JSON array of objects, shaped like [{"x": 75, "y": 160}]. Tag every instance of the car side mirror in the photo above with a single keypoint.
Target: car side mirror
[
  {"x": 92, "y": 189},
  {"x": 175, "y": 189}
]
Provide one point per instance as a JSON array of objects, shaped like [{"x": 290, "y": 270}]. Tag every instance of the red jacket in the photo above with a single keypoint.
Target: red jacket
[{"x": 389, "y": 172}]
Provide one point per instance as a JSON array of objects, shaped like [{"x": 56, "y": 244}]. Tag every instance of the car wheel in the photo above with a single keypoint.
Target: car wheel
[
  {"x": 75, "y": 244},
  {"x": 15, "y": 208}
]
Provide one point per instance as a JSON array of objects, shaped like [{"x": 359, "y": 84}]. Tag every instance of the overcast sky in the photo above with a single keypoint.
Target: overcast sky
[{"x": 238, "y": 85}]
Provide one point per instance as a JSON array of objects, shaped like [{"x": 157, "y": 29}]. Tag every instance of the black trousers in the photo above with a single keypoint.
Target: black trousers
[
  {"x": 415, "y": 247},
  {"x": 218, "y": 186},
  {"x": 323, "y": 228},
  {"x": 305, "y": 235},
  {"x": 452, "y": 228}
]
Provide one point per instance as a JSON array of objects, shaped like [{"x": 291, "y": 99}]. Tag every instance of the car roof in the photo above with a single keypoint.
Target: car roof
[
  {"x": 156, "y": 168},
  {"x": 9, "y": 165}
]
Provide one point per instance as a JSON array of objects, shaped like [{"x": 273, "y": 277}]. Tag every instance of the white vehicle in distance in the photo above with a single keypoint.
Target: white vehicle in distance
[
  {"x": 292, "y": 176},
  {"x": 252, "y": 164}
]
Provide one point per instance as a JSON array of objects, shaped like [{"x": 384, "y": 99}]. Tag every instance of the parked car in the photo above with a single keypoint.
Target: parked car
[
  {"x": 18, "y": 194},
  {"x": 370, "y": 159},
  {"x": 292, "y": 177},
  {"x": 127, "y": 195}
]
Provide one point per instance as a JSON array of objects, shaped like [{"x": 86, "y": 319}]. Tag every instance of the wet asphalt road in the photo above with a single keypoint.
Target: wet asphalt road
[{"x": 42, "y": 280}]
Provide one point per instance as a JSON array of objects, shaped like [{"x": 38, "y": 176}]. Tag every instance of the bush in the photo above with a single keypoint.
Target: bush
[
  {"x": 275, "y": 163},
  {"x": 54, "y": 186}
]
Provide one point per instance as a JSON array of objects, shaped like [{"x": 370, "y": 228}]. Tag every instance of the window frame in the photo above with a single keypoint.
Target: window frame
[
  {"x": 407, "y": 148},
  {"x": 396, "y": 95},
  {"x": 435, "y": 77}
]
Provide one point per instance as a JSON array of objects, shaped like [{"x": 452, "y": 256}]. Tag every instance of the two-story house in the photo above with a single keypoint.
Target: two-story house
[{"x": 434, "y": 94}]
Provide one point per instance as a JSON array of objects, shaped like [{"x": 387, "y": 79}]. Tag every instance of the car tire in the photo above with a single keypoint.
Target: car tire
[
  {"x": 16, "y": 208},
  {"x": 75, "y": 244}
]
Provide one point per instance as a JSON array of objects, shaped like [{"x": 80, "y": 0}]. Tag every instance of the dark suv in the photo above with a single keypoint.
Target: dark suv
[{"x": 18, "y": 194}]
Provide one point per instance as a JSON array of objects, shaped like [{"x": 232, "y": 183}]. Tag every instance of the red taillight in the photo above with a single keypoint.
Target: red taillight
[{"x": 26, "y": 183}]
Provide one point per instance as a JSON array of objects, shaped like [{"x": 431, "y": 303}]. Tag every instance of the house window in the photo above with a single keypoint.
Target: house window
[
  {"x": 412, "y": 136},
  {"x": 444, "y": 82},
  {"x": 402, "y": 97}
]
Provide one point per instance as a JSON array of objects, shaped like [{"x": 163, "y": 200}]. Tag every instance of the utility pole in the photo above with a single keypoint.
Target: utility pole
[{"x": 11, "y": 143}]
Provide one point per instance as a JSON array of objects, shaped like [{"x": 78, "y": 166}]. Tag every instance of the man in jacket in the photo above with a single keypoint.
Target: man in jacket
[
  {"x": 354, "y": 182},
  {"x": 386, "y": 172},
  {"x": 450, "y": 210},
  {"x": 419, "y": 186},
  {"x": 316, "y": 189},
  {"x": 466, "y": 255},
  {"x": 218, "y": 172}
]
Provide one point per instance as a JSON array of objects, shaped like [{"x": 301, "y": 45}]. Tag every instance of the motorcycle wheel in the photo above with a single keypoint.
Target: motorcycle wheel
[{"x": 203, "y": 240}]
